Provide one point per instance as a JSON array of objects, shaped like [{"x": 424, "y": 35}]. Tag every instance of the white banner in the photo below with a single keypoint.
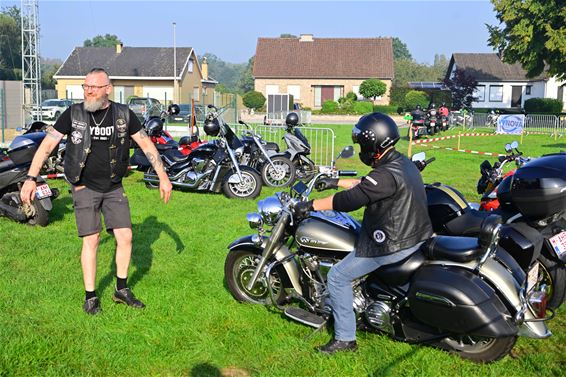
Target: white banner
[{"x": 510, "y": 124}]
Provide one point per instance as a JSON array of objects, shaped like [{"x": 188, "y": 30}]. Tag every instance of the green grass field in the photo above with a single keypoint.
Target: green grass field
[{"x": 192, "y": 326}]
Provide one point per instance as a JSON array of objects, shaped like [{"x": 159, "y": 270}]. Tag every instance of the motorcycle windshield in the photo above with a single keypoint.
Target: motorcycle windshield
[
  {"x": 302, "y": 137},
  {"x": 233, "y": 141}
]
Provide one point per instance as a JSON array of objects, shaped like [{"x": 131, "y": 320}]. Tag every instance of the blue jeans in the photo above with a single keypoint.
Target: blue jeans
[{"x": 340, "y": 287}]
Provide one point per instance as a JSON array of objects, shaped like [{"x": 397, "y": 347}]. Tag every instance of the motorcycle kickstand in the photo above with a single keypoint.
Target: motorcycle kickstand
[{"x": 315, "y": 331}]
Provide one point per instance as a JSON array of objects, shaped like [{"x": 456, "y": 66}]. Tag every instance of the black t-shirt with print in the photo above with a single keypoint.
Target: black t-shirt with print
[{"x": 96, "y": 173}]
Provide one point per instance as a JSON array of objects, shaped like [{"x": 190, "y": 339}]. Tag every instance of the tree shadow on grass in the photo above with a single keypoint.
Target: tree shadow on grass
[
  {"x": 209, "y": 370},
  {"x": 144, "y": 235},
  {"x": 561, "y": 145}
]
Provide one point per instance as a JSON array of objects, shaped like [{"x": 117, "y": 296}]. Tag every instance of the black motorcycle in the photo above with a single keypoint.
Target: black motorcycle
[
  {"x": 13, "y": 170},
  {"x": 453, "y": 293},
  {"x": 533, "y": 208},
  {"x": 213, "y": 166}
]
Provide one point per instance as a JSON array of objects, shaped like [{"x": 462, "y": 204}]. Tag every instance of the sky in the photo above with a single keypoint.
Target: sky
[{"x": 230, "y": 29}]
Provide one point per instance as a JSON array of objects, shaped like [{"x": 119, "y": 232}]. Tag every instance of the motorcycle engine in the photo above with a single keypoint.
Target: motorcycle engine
[
  {"x": 378, "y": 314},
  {"x": 198, "y": 164}
]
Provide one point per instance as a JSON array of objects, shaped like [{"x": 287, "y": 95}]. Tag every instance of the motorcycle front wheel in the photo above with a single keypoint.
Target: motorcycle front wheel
[
  {"x": 281, "y": 174},
  {"x": 480, "y": 349},
  {"x": 238, "y": 270},
  {"x": 248, "y": 187},
  {"x": 41, "y": 216}
]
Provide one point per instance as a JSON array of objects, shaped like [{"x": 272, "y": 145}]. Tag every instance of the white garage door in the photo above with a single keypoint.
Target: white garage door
[
  {"x": 75, "y": 92},
  {"x": 161, "y": 93}
]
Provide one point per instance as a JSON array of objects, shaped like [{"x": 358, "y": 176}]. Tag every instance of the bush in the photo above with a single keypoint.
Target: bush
[
  {"x": 345, "y": 104},
  {"x": 387, "y": 109},
  {"x": 544, "y": 106},
  {"x": 360, "y": 107},
  {"x": 397, "y": 95},
  {"x": 329, "y": 107},
  {"x": 414, "y": 98},
  {"x": 253, "y": 100},
  {"x": 352, "y": 96}
]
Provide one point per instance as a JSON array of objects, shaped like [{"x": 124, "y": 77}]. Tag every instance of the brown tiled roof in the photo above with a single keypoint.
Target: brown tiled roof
[
  {"x": 489, "y": 67},
  {"x": 324, "y": 58}
]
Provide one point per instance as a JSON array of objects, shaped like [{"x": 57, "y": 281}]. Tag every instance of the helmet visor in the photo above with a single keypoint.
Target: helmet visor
[{"x": 355, "y": 134}]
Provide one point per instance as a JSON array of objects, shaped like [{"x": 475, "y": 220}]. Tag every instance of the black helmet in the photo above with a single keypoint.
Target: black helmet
[
  {"x": 292, "y": 119},
  {"x": 154, "y": 126},
  {"x": 173, "y": 109},
  {"x": 443, "y": 104},
  {"x": 418, "y": 107},
  {"x": 432, "y": 105},
  {"x": 375, "y": 133},
  {"x": 211, "y": 127}
]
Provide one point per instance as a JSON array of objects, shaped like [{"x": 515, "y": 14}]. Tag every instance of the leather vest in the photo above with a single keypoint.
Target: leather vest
[
  {"x": 79, "y": 140},
  {"x": 400, "y": 221}
]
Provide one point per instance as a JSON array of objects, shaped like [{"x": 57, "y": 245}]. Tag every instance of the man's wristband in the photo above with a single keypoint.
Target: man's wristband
[{"x": 31, "y": 178}]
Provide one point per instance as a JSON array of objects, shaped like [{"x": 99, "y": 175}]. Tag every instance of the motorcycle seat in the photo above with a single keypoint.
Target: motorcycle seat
[
  {"x": 165, "y": 147},
  {"x": 399, "y": 273},
  {"x": 175, "y": 155},
  {"x": 457, "y": 249},
  {"x": 6, "y": 165}
]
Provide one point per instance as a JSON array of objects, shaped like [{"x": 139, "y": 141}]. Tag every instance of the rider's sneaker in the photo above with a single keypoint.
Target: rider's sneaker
[
  {"x": 126, "y": 296},
  {"x": 338, "y": 346},
  {"x": 92, "y": 306}
]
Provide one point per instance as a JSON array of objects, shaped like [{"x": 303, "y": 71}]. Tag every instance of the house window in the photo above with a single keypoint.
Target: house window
[
  {"x": 295, "y": 91},
  {"x": 317, "y": 96},
  {"x": 496, "y": 93},
  {"x": 190, "y": 68},
  {"x": 480, "y": 93},
  {"x": 196, "y": 93},
  {"x": 528, "y": 90},
  {"x": 356, "y": 90},
  {"x": 271, "y": 89}
]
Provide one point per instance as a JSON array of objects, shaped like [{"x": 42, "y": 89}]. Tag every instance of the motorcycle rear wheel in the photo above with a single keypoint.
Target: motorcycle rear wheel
[
  {"x": 553, "y": 275},
  {"x": 305, "y": 168},
  {"x": 282, "y": 176},
  {"x": 238, "y": 270},
  {"x": 41, "y": 216},
  {"x": 480, "y": 349},
  {"x": 248, "y": 188}
]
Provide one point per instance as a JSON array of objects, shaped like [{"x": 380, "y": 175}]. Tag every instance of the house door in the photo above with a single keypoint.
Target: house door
[
  {"x": 327, "y": 93},
  {"x": 516, "y": 96}
]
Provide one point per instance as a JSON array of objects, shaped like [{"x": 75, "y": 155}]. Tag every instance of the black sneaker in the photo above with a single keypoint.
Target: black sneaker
[
  {"x": 338, "y": 346},
  {"x": 92, "y": 306},
  {"x": 126, "y": 296}
]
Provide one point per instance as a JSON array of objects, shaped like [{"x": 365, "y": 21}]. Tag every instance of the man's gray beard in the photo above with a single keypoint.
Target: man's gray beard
[{"x": 94, "y": 105}]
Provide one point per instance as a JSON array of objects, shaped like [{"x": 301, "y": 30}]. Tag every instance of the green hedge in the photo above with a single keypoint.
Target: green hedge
[
  {"x": 397, "y": 95},
  {"x": 329, "y": 107},
  {"x": 386, "y": 109},
  {"x": 544, "y": 106},
  {"x": 360, "y": 107}
]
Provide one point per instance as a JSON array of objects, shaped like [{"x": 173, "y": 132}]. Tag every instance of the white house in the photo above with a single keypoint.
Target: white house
[{"x": 502, "y": 85}]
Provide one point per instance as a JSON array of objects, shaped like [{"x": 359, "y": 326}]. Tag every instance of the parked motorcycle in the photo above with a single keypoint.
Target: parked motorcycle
[
  {"x": 533, "y": 208},
  {"x": 276, "y": 168},
  {"x": 13, "y": 171},
  {"x": 298, "y": 149},
  {"x": 452, "y": 293},
  {"x": 431, "y": 121},
  {"x": 213, "y": 166}
]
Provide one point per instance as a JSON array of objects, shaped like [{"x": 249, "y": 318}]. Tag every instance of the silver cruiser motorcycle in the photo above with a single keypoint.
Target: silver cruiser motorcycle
[{"x": 461, "y": 294}]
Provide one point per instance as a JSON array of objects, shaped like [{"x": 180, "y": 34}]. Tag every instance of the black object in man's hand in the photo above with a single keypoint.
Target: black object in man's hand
[
  {"x": 326, "y": 184},
  {"x": 302, "y": 209}
]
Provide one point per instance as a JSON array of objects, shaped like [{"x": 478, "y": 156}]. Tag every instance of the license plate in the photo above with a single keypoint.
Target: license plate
[
  {"x": 42, "y": 191},
  {"x": 432, "y": 124},
  {"x": 559, "y": 244},
  {"x": 532, "y": 277}
]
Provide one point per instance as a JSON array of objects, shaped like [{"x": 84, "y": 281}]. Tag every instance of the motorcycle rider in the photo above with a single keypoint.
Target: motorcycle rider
[
  {"x": 395, "y": 221},
  {"x": 418, "y": 113},
  {"x": 443, "y": 110}
]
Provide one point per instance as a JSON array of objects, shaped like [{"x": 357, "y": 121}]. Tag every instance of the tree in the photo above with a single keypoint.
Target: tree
[
  {"x": 400, "y": 50},
  {"x": 253, "y": 100},
  {"x": 462, "y": 87},
  {"x": 10, "y": 43},
  {"x": 414, "y": 98},
  {"x": 108, "y": 40},
  {"x": 246, "y": 82},
  {"x": 372, "y": 88},
  {"x": 286, "y": 35},
  {"x": 533, "y": 34}
]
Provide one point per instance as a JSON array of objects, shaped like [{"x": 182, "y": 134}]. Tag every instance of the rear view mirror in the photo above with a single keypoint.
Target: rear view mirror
[
  {"x": 347, "y": 152},
  {"x": 514, "y": 144},
  {"x": 421, "y": 156},
  {"x": 508, "y": 148}
]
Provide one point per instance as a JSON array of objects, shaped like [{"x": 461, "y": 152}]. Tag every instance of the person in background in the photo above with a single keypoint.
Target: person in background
[
  {"x": 96, "y": 158},
  {"x": 395, "y": 221}
]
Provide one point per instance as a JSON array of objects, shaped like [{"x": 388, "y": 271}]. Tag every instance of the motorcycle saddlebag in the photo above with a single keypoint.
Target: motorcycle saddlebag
[{"x": 457, "y": 301}]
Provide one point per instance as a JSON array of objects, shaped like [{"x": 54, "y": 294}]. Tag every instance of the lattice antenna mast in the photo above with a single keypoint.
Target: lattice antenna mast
[{"x": 31, "y": 69}]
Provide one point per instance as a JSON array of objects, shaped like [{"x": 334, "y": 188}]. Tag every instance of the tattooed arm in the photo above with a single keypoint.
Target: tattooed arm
[
  {"x": 49, "y": 143},
  {"x": 154, "y": 158}
]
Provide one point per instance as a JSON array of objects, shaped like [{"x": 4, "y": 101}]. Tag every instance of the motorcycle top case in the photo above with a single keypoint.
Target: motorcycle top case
[
  {"x": 537, "y": 189},
  {"x": 456, "y": 300},
  {"x": 23, "y": 147}
]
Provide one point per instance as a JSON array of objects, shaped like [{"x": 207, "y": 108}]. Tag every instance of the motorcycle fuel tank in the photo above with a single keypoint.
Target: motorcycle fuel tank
[{"x": 328, "y": 232}]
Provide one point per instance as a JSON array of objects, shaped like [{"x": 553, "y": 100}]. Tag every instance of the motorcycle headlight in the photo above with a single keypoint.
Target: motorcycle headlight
[
  {"x": 239, "y": 151},
  {"x": 270, "y": 209},
  {"x": 255, "y": 220}
]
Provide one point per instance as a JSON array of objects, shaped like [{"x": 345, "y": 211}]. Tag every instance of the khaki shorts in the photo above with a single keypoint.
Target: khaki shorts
[{"x": 89, "y": 204}]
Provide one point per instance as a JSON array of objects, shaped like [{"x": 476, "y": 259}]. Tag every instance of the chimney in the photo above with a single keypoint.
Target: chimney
[
  {"x": 306, "y": 38},
  {"x": 204, "y": 67},
  {"x": 119, "y": 47}
]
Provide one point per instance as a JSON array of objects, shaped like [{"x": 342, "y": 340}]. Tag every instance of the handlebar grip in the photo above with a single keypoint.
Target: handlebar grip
[
  {"x": 430, "y": 160},
  {"x": 347, "y": 173}
]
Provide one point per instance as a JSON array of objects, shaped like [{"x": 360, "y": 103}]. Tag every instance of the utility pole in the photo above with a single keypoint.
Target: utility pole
[
  {"x": 31, "y": 69},
  {"x": 175, "y": 83}
]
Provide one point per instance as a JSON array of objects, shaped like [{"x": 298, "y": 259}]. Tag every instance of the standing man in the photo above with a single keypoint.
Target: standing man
[
  {"x": 96, "y": 158},
  {"x": 394, "y": 225}
]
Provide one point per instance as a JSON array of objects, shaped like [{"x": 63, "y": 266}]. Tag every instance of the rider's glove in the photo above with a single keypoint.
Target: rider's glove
[
  {"x": 326, "y": 184},
  {"x": 302, "y": 209},
  {"x": 420, "y": 165}
]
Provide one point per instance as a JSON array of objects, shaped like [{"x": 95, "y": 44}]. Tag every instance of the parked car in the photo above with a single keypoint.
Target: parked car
[
  {"x": 185, "y": 112},
  {"x": 52, "y": 108},
  {"x": 140, "y": 105}
]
